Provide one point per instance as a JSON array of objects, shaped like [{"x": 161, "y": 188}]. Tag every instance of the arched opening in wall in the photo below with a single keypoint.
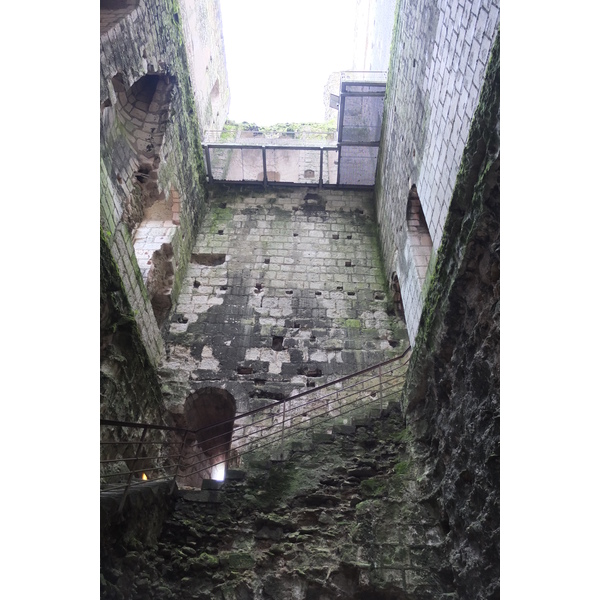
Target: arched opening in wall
[
  {"x": 397, "y": 297},
  {"x": 160, "y": 282},
  {"x": 210, "y": 413},
  {"x": 156, "y": 266},
  {"x": 419, "y": 238},
  {"x": 142, "y": 111},
  {"x": 113, "y": 11}
]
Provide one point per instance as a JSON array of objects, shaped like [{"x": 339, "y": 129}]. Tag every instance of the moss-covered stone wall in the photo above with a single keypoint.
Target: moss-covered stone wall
[
  {"x": 150, "y": 153},
  {"x": 284, "y": 292},
  {"x": 452, "y": 396},
  {"x": 437, "y": 64}
]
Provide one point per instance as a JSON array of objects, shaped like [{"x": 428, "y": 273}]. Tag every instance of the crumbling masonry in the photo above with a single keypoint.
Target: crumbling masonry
[{"x": 218, "y": 300}]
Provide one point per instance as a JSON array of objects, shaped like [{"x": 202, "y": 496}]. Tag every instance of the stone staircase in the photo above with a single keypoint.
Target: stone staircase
[{"x": 212, "y": 491}]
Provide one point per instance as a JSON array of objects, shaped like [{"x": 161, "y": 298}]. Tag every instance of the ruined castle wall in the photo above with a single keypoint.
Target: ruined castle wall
[
  {"x": 436, "y": 71},
  {"x": 205, "y": 47},
  {"x": 152, "y": 167},
  {"x": 284, "y": 292}
]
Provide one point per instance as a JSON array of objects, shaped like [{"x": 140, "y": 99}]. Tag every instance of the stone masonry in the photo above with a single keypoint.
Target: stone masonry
[
  {"x": 284, "y": 291},
  {"x": 220, "y": 299},
  {"x": 436, "y": 71},
  {"x": 150, "y": 193}
]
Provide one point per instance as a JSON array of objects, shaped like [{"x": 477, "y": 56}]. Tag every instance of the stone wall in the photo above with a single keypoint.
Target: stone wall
[
  {"x": 152, "y": 170},
  {"x": 437, "y": 65},
  {"x": 284, "y": 292},
  {"x": 452, "y": 396},
  {"x": 339, "y": 519},
  {"x": 151, "y": 159},
  {"x": 205, "y": 47}
]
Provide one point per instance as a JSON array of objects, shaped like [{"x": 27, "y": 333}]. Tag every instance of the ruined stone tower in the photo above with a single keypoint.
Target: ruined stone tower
[{"x": 220, "y": 300}]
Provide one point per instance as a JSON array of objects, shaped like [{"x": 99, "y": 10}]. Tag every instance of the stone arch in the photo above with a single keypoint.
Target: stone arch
[
  {"x": 113, "y": 12},
  {"x": 419, "y": 238},
  {"x": 209, "y": 412}
]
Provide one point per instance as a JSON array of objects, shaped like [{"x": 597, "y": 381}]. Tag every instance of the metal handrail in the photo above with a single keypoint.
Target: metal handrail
[{"x": 282, "y": 417}]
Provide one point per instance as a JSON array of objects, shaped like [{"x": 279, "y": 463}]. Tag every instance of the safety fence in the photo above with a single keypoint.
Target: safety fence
[{"x": 132, "y": 453}]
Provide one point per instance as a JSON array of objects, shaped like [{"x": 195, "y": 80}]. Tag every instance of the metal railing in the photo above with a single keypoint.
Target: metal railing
[
  {"x": 140, "y": 451},
  {"x": 346, "y": 158}
]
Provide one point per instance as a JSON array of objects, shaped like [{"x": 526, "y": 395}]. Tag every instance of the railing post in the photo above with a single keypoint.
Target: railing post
[
  {"x": 321, "y": 169},
  {"x": 208, "y": 167},
  {"x": 178, "y": 463},
  {"x": 380, "y": 390},
  {"x": 283, "y": 431},
  {"x": 137, "y": 454}
]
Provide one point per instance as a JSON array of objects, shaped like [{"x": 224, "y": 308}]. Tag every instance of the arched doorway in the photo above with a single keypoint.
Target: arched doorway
[{"x": 209, "y": 412}]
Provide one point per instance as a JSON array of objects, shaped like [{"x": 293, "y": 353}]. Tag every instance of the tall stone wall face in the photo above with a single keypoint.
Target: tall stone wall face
[
  {"x": 284, "y": 292},
  {"x": 452, "y": 395},
  {"x": 436, "y": 71},
  {"x": 205, "y": 47},
  {"x": 151, "y": 158}
]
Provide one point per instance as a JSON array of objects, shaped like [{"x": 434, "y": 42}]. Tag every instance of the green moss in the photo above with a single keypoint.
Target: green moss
[
  {"x": 402, "y": 467},
  {"x": 372, "y": 487},
  {"x": 352, "y": 323},
  {"x": 219, "y": 218}
]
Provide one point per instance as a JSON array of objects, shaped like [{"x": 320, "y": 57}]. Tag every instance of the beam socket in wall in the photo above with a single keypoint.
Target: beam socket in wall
[
  {"x": 317, "y": 293},
  {"x": 289, "y": 292},
  {"x": 348, "y": 263},
  {"x": 220, "y": 232},
  {"x": 349, "y": 237},
  {"x": 277, "y": 343},
  {"x": 336, "y": 236},
  {"x": 267, "y": 261},
  {"x": 351, "y": 293},
  {"x": 245, "y": 370},
  {"x": 208, "y": 260}
]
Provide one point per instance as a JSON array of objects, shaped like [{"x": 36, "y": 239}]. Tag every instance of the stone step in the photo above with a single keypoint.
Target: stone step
[
  {"x": 212, "y": 484},
  {"x": 344, "y": 429},
  {"x": 279, "y": 456},
  {"x": 301, "y": 446},
  {"x": 235, "y": 475},
  {"x": 375, "y": 413},
  {"x": 203, "y": 496},
  {"x": 322, "y": 438}
]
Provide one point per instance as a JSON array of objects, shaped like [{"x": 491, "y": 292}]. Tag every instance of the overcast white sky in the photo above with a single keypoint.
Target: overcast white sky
[{"x": 280, "y": 53}]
